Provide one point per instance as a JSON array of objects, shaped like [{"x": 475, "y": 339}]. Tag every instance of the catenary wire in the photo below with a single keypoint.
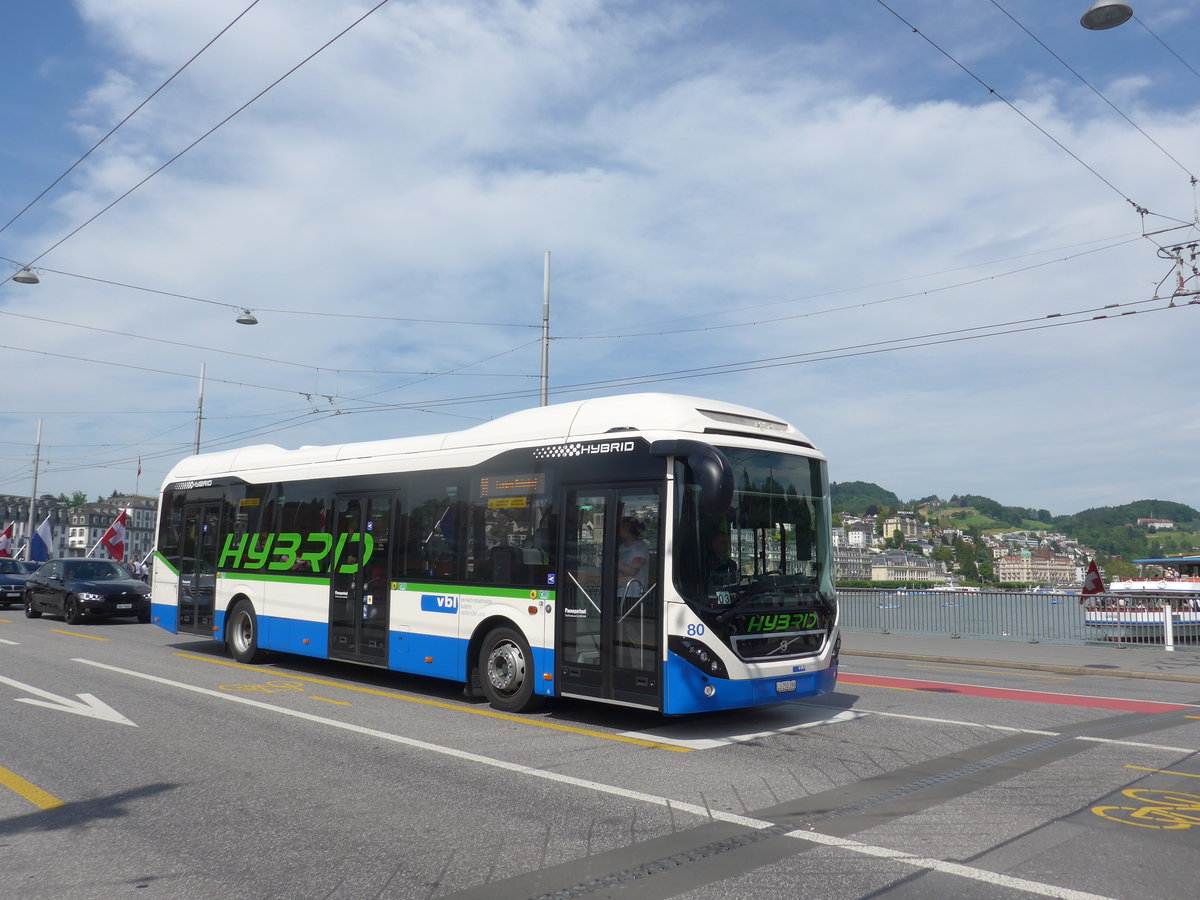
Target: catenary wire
[
  {"x": 1095, "y": 91},
  {"x": 210, "y": 131},
  {"x": 1141, "y": 210},
  {"x": 129, "y": 116}
]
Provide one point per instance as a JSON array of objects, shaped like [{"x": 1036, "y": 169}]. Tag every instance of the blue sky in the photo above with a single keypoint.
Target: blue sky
[{"x": 778, "y": 194}]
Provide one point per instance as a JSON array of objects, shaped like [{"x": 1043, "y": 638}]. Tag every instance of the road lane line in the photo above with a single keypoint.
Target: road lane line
[
  {"x": 488, "y": 713},
  {"x": 949, "y": 868},
  {"x": 1163, "y": 771},
  {"x": 706, "y": 812},
  {"x": 934, "y": 720},
  {"x": 31, "y": 792},
  {"x": 90, "y": 637},
  {"x": 10, "y": 643},
  {"x": 327, "y": 700}
]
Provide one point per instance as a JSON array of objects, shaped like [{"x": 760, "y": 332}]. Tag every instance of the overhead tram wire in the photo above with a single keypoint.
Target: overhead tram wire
[
  {"x": 129, "y": 116},
  {"x": 238, "y": 307},
  {"x": 1053, "y": 320},
  {"x": 1141, "y": 210},
  {"x": 210, "y": 131},
  {"x": 1168, "y": 49},
  {"x": 1050, "y": 320},
  {"x": 1121, "y": 240},
  {"x": 1097, "y": 92},
  {"x": 861, "y": 305}
]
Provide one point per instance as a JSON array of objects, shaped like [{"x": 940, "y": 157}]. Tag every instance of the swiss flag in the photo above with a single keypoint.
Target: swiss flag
[
  {"x": 114, "y": 538},
  {"x": 1091, "y": 582},
  {"x": 6, "y": 537}
]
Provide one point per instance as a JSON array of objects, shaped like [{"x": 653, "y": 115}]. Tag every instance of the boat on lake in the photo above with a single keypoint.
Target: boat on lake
[{"x": 1135, "y": 608}]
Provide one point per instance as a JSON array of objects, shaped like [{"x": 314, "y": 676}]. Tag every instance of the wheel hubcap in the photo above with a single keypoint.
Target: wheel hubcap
[{"x": 506, "y": 667}]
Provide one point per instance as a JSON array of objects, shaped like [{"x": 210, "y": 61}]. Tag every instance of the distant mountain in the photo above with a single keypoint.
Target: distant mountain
[{"x": 859, "y": 497}]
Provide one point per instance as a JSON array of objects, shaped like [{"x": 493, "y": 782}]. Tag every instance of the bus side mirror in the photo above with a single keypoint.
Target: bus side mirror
[{"x": 710, "y": 470}]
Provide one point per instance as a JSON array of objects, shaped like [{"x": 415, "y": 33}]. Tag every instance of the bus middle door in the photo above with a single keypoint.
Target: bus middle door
[
  {"x": 360, "y": 583},
  {"x": 609, "y": 615}
]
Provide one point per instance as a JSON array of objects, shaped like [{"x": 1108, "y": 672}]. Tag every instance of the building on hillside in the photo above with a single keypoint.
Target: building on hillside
[
  {"x": 1036, "y": 567},
  {"x": 851, "y": 564},
  {"x": 907, "y": 524},
  {"x": 899, "y": 565},
  {"x": 1156, "y": 524}
]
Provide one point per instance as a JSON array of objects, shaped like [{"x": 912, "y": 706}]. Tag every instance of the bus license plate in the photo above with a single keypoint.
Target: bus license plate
[
  {"x": 785, "y": 687},
  {"x": 130, "y": 606}
]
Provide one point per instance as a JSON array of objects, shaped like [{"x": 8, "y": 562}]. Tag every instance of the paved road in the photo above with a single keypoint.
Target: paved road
[{"x": 166, "y": 771}]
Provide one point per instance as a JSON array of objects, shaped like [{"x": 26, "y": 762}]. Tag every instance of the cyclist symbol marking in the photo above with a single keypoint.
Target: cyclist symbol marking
[{"x": 1167, "y": 810}]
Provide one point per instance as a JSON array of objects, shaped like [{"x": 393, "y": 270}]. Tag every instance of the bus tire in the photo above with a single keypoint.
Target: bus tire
[
  {"x": 241, "y": 633},
  {"x": 506, "y": 671}
]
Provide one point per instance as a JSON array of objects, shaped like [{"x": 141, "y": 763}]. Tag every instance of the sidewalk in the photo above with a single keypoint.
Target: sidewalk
[{"x": 1129, "y": 661}]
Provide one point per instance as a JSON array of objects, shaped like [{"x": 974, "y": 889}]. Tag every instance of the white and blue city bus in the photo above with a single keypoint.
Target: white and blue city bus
[{"x": 649, "y": 550}]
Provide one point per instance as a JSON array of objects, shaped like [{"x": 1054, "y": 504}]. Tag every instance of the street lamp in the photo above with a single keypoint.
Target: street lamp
[
  {"x": 247, "y": 318},
  {"x": 1105, "y": 14},
  {"x": 26, "y": 276}
]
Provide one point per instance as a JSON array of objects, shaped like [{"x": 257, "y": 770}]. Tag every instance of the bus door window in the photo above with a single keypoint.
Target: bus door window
[
  {"x": 584, "y": 579},
  {"x": 637, "y": 582}
]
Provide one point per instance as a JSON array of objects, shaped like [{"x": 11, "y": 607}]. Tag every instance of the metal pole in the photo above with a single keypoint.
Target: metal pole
[
  {"x": 546, "y": 333},
  {"x": 200, "y": 408},
  {"x": 37, "y": 454}
]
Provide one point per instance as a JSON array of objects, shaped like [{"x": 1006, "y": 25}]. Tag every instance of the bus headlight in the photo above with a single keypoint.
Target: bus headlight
[{"x": 699, "y": 655}]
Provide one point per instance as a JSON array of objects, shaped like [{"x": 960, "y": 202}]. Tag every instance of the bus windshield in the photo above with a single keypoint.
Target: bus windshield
[{"x": 770, "y": 550}]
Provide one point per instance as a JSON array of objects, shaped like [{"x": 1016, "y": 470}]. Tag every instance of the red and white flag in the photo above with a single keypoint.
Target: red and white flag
[
  {"x": 6, "y": 539},
  {"x": 1092, "y": 583},
  {"x": 114, "y": 539}
]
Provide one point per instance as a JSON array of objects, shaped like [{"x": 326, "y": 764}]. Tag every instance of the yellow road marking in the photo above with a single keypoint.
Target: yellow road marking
[
  {"x": 31, "y": 792},
  {"x": 6, "y": 621},
  {"x": 487, "y": 713},
  {"x": 1192, "y": 717},
  {"x": 1166, "y": 771},
  {"x": 1045, "y": 678},
  {"x": 90, "y": 637},
  {"x": 327, "y": 700}
]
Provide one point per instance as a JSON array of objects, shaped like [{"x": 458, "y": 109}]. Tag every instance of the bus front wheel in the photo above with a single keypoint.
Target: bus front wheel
[
  {"x": 241, "y": 633},
  {"x": 506, "y": 671}
]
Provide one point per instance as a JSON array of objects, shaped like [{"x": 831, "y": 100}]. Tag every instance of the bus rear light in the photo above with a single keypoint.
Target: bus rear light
[{"x": 547, "y": 676}]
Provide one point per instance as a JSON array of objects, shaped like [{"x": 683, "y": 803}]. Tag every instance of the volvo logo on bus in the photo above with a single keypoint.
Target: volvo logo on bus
[{"x": 569, "y": 450}]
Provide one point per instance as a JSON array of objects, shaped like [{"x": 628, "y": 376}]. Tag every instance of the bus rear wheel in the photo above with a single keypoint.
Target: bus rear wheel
[
  {"x": 506, "y": 671},
  {"x": 241, "y": 633}
]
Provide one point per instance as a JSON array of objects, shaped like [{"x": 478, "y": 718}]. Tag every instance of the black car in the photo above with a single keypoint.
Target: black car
[
  {"x": 81, "y": 588},
  {"x": 13, "y": 574}
]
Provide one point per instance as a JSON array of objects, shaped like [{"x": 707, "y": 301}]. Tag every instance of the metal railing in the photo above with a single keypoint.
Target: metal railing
[{"x": 1012, "y": 616}]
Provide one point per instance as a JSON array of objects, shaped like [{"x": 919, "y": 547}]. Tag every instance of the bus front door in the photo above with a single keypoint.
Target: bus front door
[
  {"x": 609, "y": 618},
  {"x": 198, "y": 567},
  {"x": 360, "y": 583}
]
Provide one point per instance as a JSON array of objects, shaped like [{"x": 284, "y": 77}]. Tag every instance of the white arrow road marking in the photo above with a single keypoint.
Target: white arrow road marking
[{"x": 87, "y": 704}]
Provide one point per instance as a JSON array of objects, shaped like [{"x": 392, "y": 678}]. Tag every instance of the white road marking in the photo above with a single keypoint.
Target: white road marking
[
  {"x": 708, "y": 735},
  {"x": 10, "y": 643},
  {"x": 982, "y": 875},
  {"x": 87, "y": 704},
  {"x": 949, "y": 868}
]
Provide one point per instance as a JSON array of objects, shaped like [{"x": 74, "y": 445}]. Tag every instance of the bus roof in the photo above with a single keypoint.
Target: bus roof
[{"x": 596, "y": 417}]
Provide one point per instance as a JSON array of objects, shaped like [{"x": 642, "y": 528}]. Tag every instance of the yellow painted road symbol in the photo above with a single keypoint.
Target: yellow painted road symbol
[
  {"x": 271, "y": 687},
  {"x": 1170, "y": 810}
]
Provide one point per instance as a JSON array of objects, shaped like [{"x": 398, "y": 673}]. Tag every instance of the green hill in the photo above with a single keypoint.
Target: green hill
[{"x": 861, "y": 498}]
